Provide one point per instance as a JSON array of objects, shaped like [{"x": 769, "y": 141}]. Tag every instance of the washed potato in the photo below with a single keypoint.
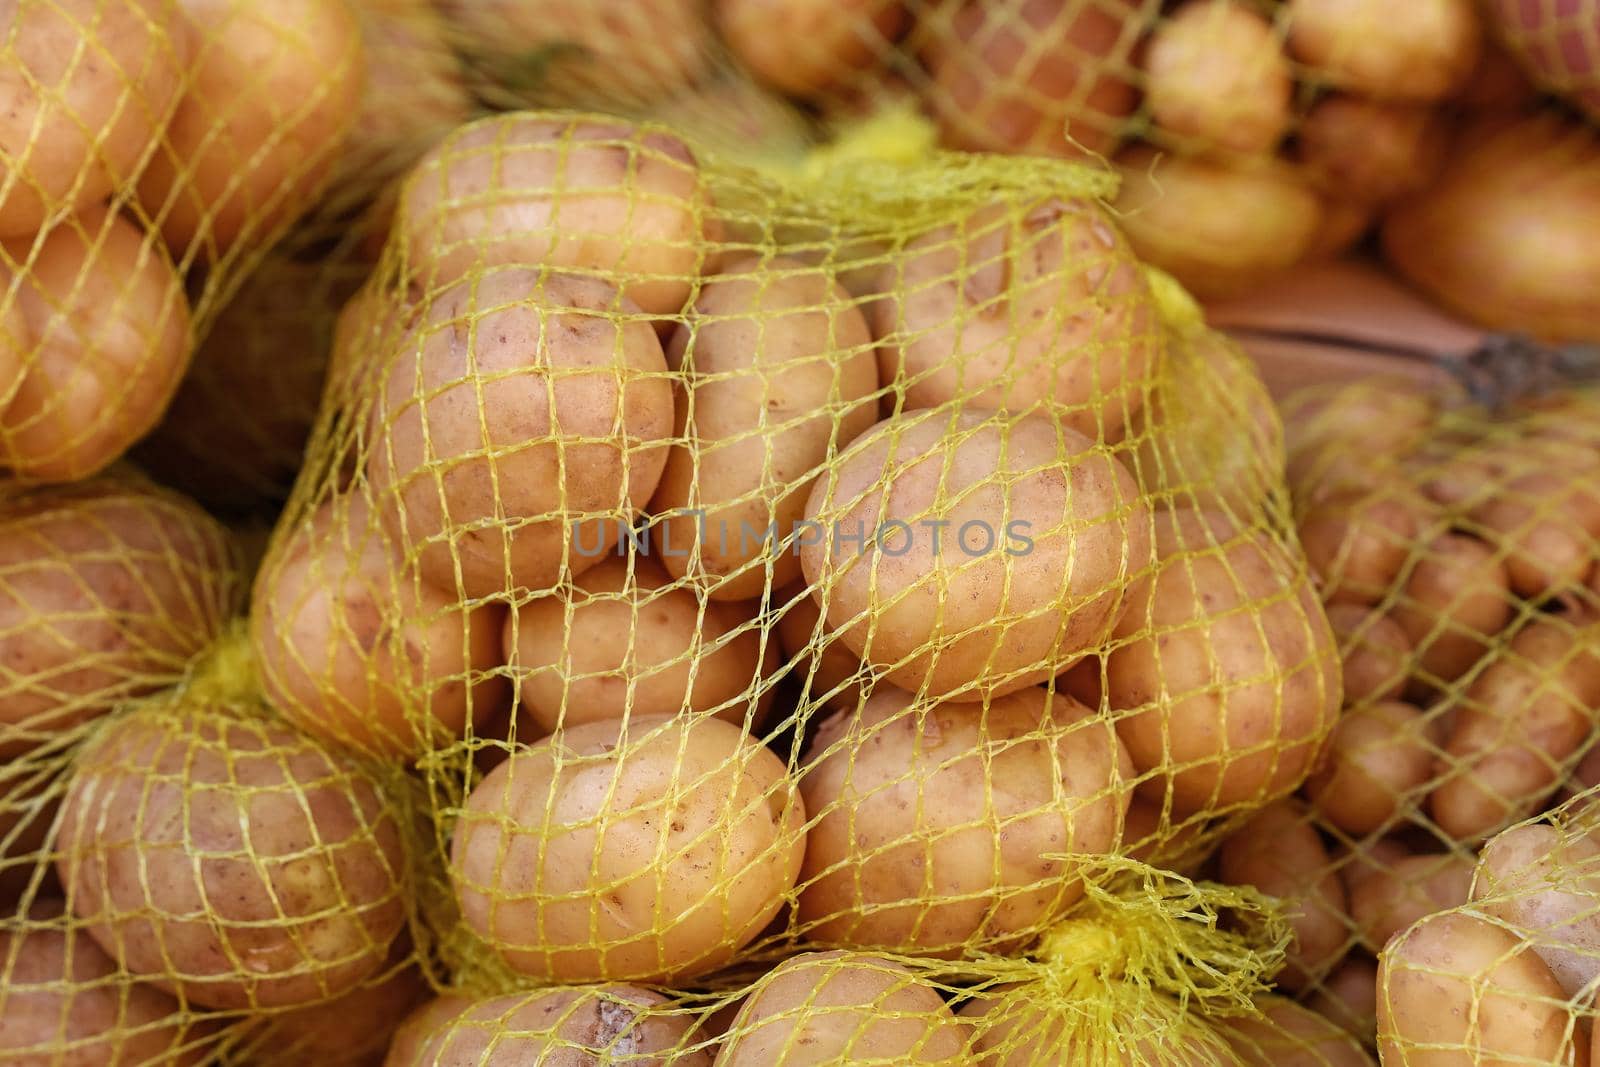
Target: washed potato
[
  {"x": 1015, "y": 1027},
  {"x": 1376, "y": 767},
  {"x": 423, "y": 1023},
  {"x": 268, "y": 99},
  {"x": 1021, "y": 305},
  {"x": 106, "y": 340},
  {"x": 1371, "y": 151},
  {"x": 510, "y": 454},
  {"x": 830, "y": 671},
  {"x": 610, "y": 1024},
  {"x": 1223, "y": 668},
  {"x": 1547, "y": 522},
  {"x": 971, "y": 554},
  {"x": 1362, "y": 860},
  {"x": 354, "y": 1030},
  {"x": 1460, "y": 991},
  {"x": 90, "y": 85},
  {"x": 1039, "y": 77},
  {"x": 1217, "y": 227},
  {"x": 1358, "y": 541},
  {"x": 806, "y": 47},
  {"x": 947, "y": 827},
  {"x": 1279, "y": 852},
  {"x": 64, "y": 1003},
  {"x": 1353, "y": 434},
  {"x": 1289, "y": 1035},
  {"x": 1454, "y": 599},
  {"x": 597, "y": 197},
  {"x": 1349, "y": 998},
  {"x": 1406, "y": 891},
  {"x": 1376, "y": 653},
  {"x": 1521, "y": 721},
  {"x": 1545, "y": 882},
  {"x": 1422, "y": 51},
  {"x": 109, "y": 590},
  {"x": 353, "y": 647},
  {"x": 842, "y": 1008},
  {"x": 230, "y": 859},
  {"x": 630, "y": 640},
  {"x": 646, "y": 850},
  {"x": 778, "y": 375},
  {"x": 1216, "y": 77}
]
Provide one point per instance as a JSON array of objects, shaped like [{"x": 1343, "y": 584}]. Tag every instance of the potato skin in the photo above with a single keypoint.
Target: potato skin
[
  {"x": 630, "y": 640},
  {"x": 1359, "y": 541},
  {"x": 354, "y": 648},
  {"x": 1011, "y": 79},
  {"x": 651, "y": 850},
  {"x": 1421, "y": 51},
  {"x": 1455, "y": 598},
  {"x": 558, "y": 380},
  {"x": 1225, "y": 667},
  {"x": 1060, "y": 531},
  {"x": 606, "y": 198},
  {"x": 1375, "y": 650},
  {"x": 297, "y": 867},
  {"x": 63, "y": 1003},
  {"x": 272, "y": 92},
  {"x": 1543, "y": 881},
  {"x": 107, "y": 340},
  {"x": 1409, "y": 889},
  {"x": 109, "y": 589},
  {"x": 1377, "y": 765},
  {"x": 1371, "y": 151},
  {"x": 354, "y": 1030},
  {"x": 805, "y": 48},
  {"x": 611, "y": 1024},
  {"x": 842, "y": 1008},
  {"x": 1290, "y": 1035},
  {"x": 1216, "y": 77},
  {"x": 778, "y": 374},
  {"x": 937, "y": 826},
  {"x": 1459, "y": 991},
  {"x": 821, "y": 661},
  {"x": 1349, "y": 998},
  {"x": 1015, "y": 307},
  {"x": 419, "y": 1027}
]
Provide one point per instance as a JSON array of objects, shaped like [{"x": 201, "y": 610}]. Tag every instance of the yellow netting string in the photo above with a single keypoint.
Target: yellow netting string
[{"x": 226, "y": 674}]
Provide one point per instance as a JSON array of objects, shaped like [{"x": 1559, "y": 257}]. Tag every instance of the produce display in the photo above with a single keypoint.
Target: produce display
[{"x": 734, "y": 543}]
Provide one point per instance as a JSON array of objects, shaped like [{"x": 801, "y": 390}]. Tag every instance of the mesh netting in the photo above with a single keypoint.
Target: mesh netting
[{"x": 1557, "y": 42}]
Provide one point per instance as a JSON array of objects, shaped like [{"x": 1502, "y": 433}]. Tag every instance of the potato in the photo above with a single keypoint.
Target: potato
[
  {"x": 1339, "y": 436},
  {"x": 230, "y": 859},
  {"x": 992, "y": 551},
  {"x": 1223, "y": 667},
  {"x": 355, "y": 649},
  {"x": 1422, "y": 51},
  {"x": 625, "y": 51},
  {"x": 418, "y": 1028},
  {"x": 1358, "y": 542},
  {"x": 506, "y": 457},
  {"x": 269, "y": 98},
  {"x": 1371, "y": 151},
  {"x": 1459, "y": 991},
  {"x": 1518, "y": 726},
  {"x": 1455, "y": 598},
  {"x": 1015, "y": 1027},
  {"x": 1547, "y": 523},
  {"x": 64, "y": 1003},
  {"x": 1345, "y": 225},
  {"x": 944, "y": 828},
  {"x": 831, "y": 673},
  {"x": 807, "y": 47},
  {"x": 354, "y": 1030},
  {"x": 1545, "y": 882},
  {"x": 1376, "y": 653},
  {"x": 1150, "y": 836},
  {"x": 107, "y": 340},
  {"x": 90, "y": 85},
  {"x": 842, "y": 1008},
  {"x": 597, "y": 197},
  {"x": 109, "y": 590},
  {"x": 1217, "y": 227},
  {"x": 29, "y": 806},
  {"x": 611, "y": 1024},
  {"x": 648, "y": 850},
  {"x": 1278, "y": 852},
  {"x": 1349, "y": 998},
  {"x": 1409, "y": 890},
  {"x": 1039, "y": 77},
  {"x": 1291, "y": 1036},
  {"x": 629, "y": 640},
  {"x": 1216, "y": 75},
  {"x": 1017, "y": 306},
  {"x": 1369, "y": 858},
  {"x": 779, "y": 375},
  {"x": 1376, "y": 768}
]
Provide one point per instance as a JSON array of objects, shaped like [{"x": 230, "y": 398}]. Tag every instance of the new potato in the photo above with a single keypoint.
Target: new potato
[
  {"x": 1405, "y": 891},
  {"x": 1454, "y": 599},
  {"x": 1377, "y": 766},
  {"x": 649, "y": 851},
  {"x": 1216, "y": 76},
  {"x": 1289, "y": 1035},
  {"x": 1545, "y": 881},
  {"x": 1375, "y": 650},
  {"x": 806, "y": 47},
  {"x": 944, "y": 827},
  {"x": 1422, "y": 50}
]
